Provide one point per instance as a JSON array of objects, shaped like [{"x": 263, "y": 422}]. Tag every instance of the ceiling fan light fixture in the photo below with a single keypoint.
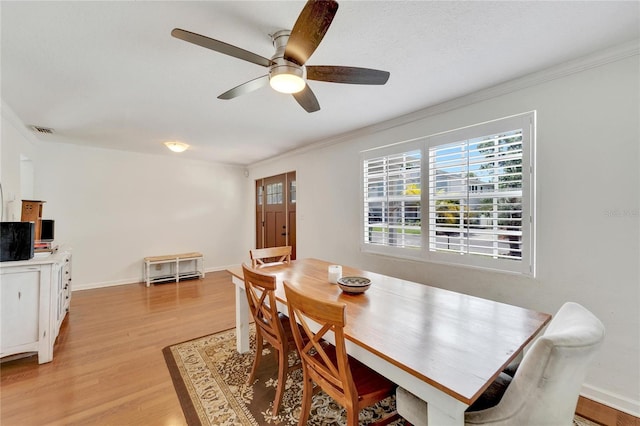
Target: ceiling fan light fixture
[
  {"x": 286, "y": 79},
  {"x": 176, "y": 146},
  {"x": 287, "y": 70}
]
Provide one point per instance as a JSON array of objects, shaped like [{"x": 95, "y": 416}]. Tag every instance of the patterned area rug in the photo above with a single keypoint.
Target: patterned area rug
[{"x": 210, "y": 378}]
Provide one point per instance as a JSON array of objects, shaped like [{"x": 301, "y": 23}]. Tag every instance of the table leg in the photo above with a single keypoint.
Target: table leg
[
  {"x": 436, "y": 416},
  {"x": 420, "y": 413},
  {"x": 242, "y": 317},
  {"x": 423, "y": 404}
]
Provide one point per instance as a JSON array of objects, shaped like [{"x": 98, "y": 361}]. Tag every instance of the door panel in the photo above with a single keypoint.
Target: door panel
[
  {"x": 259, "y": 213},
  {"x": 275, "y": 229},
  {"x": 20, "y": 298},
  {"x": 292, "y": 195},
  {"x": 275, "y": 211}
]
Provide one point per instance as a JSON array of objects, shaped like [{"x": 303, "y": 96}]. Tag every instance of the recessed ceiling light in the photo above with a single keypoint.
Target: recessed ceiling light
[{"x": 176, "y": 146}]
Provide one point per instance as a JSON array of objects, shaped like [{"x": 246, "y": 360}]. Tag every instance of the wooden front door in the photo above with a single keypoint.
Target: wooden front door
[{"x": 276, "y": 211}]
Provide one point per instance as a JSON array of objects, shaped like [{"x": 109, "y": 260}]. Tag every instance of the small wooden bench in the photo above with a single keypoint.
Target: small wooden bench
[{"x": 174, "y": 260}]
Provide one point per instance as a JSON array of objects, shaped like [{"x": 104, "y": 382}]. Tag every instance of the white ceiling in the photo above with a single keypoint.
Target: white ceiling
[{"x": 109, "y": 74}]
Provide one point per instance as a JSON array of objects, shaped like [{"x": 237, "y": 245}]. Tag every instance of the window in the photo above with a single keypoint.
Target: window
[
  {"x": 259, "y": 195},
  {"x": 292, "y": 191},
  {"x": 274, "y": 193},
  {"x": 477, "y": 202},
  {"x": 392, "y": 200}
]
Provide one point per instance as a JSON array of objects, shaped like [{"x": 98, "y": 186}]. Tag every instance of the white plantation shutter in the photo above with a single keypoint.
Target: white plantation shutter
[
  {"x": 477, "y": 203},
  {"x": 392, "y": 208},
  {"x": 475, "y": 196}
]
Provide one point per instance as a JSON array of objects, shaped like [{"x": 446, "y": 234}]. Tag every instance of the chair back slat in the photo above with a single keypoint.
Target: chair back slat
[
  {"x": 260, "y": 291},
  {"x": 270, "y": 256}
]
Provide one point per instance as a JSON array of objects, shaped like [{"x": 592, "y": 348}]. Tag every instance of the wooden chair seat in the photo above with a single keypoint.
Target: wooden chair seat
[{"x": 371, "y": 388}]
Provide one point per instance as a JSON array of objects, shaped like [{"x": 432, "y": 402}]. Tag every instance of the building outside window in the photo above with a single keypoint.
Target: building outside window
[{"x": 464, "y": 197}]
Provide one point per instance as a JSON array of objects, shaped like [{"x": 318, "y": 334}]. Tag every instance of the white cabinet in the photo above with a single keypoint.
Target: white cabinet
[{"x": 34, "y": 299}]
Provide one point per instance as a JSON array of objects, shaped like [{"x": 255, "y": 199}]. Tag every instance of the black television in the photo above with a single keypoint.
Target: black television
[
  {"x": 47, "y": 229},
  {"x": 16, "y": 240}
]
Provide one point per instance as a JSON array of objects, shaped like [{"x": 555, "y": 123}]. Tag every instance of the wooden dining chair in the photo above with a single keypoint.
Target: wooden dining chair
[
  {"x": 349, "y": 382},
  {"x": 271, "y": 326},
  {"x": 270, "y": 256}
]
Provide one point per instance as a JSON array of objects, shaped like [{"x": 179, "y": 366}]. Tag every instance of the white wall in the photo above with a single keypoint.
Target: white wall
[
  {"x": 17, "y": 144},
  {"x": 114, "y": 208},
  {"x": 588, "y": 210}
]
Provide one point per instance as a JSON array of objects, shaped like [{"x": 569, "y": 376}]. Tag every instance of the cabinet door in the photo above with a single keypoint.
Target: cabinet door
[{"x": 20, "y": 299}]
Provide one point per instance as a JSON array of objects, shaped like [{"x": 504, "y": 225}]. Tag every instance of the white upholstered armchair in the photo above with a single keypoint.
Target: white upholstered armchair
[{"x": 546, "y": 386}]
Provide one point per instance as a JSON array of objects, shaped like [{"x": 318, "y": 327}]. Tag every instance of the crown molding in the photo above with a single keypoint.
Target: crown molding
[{"x": 593, "y": 60}]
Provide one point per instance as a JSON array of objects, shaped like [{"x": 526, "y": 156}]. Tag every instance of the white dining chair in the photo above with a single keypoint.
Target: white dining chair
[{"x": 546, "y": 385}]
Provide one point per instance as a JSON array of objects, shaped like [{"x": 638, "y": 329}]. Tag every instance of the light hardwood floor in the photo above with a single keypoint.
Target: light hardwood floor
[{"x": 108, "y": 367}]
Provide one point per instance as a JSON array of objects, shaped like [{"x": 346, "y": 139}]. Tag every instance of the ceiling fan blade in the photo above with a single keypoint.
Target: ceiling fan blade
[
  {"x": 220, "y": 46},
  {"x": 348, "y": 75},
  {"x": 245, "y": 88},
  {"x": 309, "y": 29},
  {"x": 307, "y": 99}
]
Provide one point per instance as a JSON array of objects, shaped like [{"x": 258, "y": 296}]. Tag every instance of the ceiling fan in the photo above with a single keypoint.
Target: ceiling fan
[{"x": 288, "y": 72}]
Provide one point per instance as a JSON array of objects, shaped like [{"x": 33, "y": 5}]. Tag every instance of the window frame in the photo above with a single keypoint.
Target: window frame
[{"x": 526, "y": 265}]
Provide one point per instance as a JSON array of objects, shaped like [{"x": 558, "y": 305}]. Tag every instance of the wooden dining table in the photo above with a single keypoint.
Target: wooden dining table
[{"x": 444, "y": 347}]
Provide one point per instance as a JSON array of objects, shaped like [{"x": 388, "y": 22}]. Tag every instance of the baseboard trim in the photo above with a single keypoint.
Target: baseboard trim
[
  {"x": 604, "y": 414},
  {"x": 612, "y": 400},
  {"x": 136, "y": 280},
  {"x": 103, "y": 284}
]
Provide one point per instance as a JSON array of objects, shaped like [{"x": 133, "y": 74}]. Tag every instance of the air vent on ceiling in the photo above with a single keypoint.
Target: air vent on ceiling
[{"x": 41, "y": 130}]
